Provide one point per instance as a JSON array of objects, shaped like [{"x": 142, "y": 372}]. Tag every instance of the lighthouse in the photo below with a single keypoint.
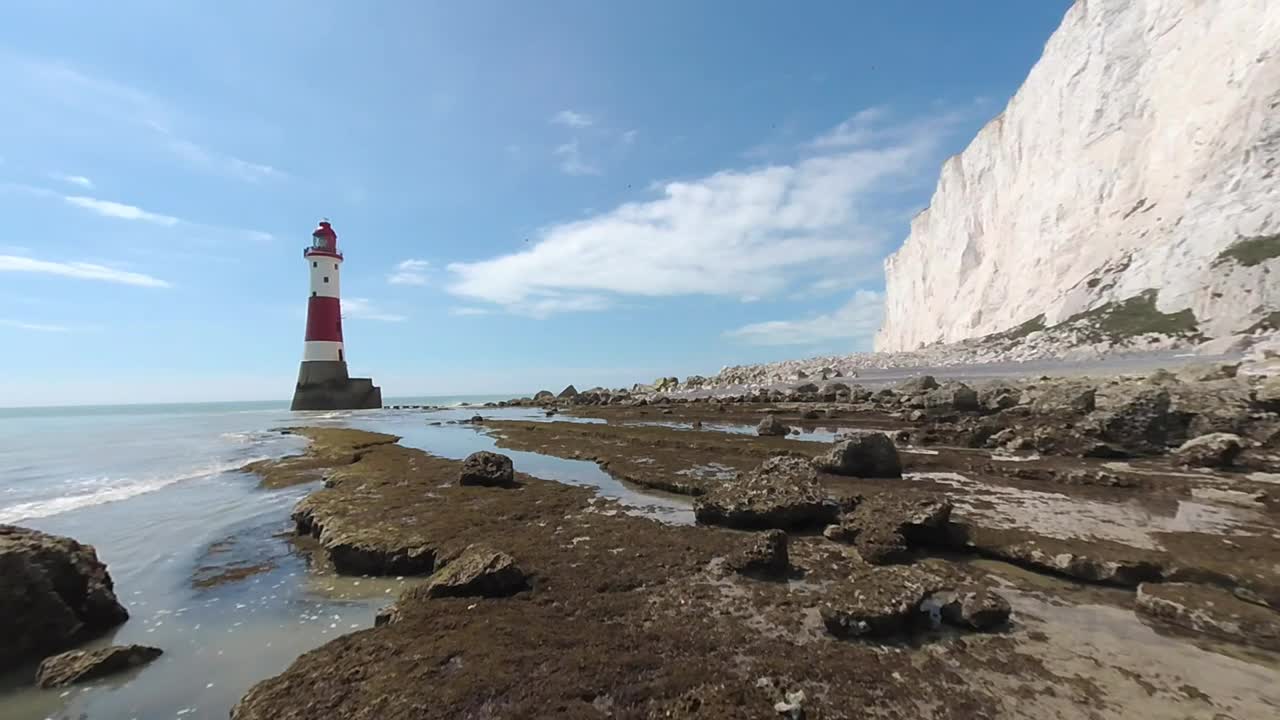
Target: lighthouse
[{"x": 323, "y": 381}]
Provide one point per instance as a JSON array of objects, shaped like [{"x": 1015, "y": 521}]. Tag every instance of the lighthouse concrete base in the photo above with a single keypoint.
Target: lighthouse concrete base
[{"x": 325, "y": 385}]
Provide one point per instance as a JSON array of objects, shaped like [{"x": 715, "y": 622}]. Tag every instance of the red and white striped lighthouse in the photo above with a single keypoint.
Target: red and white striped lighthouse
[
  {"x": 323, "y": 382},
  {"x": 324, "y": 307}
]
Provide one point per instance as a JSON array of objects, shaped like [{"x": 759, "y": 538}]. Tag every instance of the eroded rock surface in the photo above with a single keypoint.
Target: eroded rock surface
[
  {"x": 783, "y": 493},
  {"x": 79, "y": 666},
  {"x": 1210, "y": 611},
  {"x": 487, "y": 468},
  {"x": 862, "y": 454},
  {"x": 54, "y": 593}
]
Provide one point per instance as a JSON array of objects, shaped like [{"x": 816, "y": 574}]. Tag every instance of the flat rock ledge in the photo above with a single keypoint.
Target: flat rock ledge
[
  {"x": 1210, "y": 611},
  {"x": 782, "y": 493},
  {"x": 79, "y": 666}
]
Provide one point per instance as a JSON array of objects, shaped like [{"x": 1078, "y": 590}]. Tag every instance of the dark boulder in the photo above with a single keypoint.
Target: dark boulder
[
  {"x": 1216, "y": 450},
  {"x": 884, "y": 527},
  {"x": 478, "y": 572},
  {"x": 887, "y": 603},
  {"x": 487, "y": 468},
  {"x": 771, "y": 426},
  {"x": 79, "y": 666},
  {"x": 1063, "y": 398},
  {"x": 862, "y": 454},
  {"x": 917, "y": 385},
  {"x": 567, "y": 393},
  {"x": 996, "y": 396},
  {"x": 969, "y": 607},
  {"x": 544, "y": 395},
  {"x": 832, "y": 390},
  {"x": 54, "y": 592},
  {"x": 1136, "y": 418},
  {"x": 783, "y": 492},
  {"x": 952, "y": 396}
]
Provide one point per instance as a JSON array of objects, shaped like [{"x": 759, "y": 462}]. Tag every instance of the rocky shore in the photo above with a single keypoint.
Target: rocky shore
[
  {"x": 909, "y": 550},
  {"x": 1048, "y": 547}
]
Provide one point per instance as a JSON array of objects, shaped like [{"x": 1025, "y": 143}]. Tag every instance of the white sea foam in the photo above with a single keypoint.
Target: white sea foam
[{"x": 112, "y": 493}]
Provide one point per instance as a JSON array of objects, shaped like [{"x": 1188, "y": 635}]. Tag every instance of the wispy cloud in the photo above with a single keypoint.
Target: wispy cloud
[
  {"x": 34, "y": 327},
  {"x": 857, "y": 319},
  {"x": 70, "y": 99},
  {"x": 203, "y": 158},
  {"x": 861, "y": 129},
  {"x": 572, "y": 119},
  {"x": 79, "y": 180},
  {"x": 364, "y": 309},
  {"x": 572, "y": 162},
  {"x": 742, "y": 234},
  {"x": 108, "y": 208},
  {"x": 468, "y": 311},
  {"x": 124, "y": 211},
  {"x": 79, "y": 270},
  {"x": 410, "y": 272}
]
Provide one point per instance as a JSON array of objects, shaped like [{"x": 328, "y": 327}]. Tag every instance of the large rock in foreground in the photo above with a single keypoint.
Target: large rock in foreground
[
  {"x": 487, "y": 468},
  {"x": 883, "y": 528},
  {"x": 480, "y": 572},
  {"x": 79, "y": 666},
  {"x": 782, "y": 493},
  {"x": 862, "y": 454},
  {"x": 54, "y": 593}
]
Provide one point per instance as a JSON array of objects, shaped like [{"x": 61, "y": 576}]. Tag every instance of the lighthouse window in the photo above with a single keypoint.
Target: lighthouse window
[
  {"x": 315, "y": 264},
  {"x": 326, "y": 278},
  {"x": 335, "y": 266}
]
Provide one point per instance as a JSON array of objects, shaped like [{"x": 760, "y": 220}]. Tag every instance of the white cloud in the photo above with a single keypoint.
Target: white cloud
[
  {"x": 742, "y": 234},
  {"x": 410, "y": 272},
  {"x": 468, "y": 311},
  {"x": 107, "y": 208},
  {"x": 571, "y": 161},
  {"x": 80, "y": 180},
  {"x": 80, "y": 270},
  {"x": 858, "y": 319},
  {"x": 35, "y": 327},
  {"x": 364, "y": 309},
  {"x": 572, "y": 119}
]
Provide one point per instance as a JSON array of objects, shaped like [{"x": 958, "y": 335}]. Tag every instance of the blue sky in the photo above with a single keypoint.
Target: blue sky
[{"x": 528, "y": 194}]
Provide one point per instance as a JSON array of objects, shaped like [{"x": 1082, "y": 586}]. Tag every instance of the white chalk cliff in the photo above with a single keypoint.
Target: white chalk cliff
[{"x": 1143, "y": 144}]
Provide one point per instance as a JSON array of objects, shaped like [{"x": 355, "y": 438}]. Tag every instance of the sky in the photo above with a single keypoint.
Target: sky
[{"x": 527, "y": 194}]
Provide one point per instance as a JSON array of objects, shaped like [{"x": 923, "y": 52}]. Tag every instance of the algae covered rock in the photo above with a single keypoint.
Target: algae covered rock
[
  {"x": 487, "y": 468},
  {"x": 862, "y": 454},
  {"x": 53, "y": 592},
  {"x": 79, "y": 666},
  {"x": 783, "y": 493}
]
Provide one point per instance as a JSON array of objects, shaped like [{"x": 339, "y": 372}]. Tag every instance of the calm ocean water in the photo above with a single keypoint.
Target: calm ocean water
[{"x": 57, "y": 459}]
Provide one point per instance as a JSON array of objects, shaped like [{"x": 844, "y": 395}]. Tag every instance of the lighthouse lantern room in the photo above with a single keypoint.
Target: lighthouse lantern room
[{"x": 323, "y": 382}]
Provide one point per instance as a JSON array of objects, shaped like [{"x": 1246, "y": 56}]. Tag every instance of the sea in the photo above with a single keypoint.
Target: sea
[{"x": 199, "y": 554}]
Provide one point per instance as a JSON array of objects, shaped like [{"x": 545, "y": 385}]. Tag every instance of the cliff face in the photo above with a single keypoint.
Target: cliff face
[{"x": 1142, "y": 152}]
